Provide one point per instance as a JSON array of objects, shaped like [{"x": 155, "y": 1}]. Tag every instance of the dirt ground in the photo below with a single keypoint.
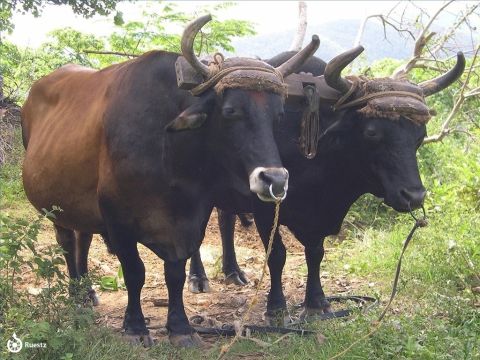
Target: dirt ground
[{"x": 225, "y": 303}]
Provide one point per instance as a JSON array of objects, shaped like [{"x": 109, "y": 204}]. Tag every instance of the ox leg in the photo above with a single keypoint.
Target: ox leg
[
  {"x": 246, "y": 219},
  {"x": 134, "y": 275},
  {"x": 181, "y": 334},
  {"x": 197, "y": 278},
  {"x": 315, "y": 302},
  {"x": 233, "y": 274},
  {"x": 83, "y": 242},
  {"x": 276, "y": 303},
  {"x": 66, "y": 239}
]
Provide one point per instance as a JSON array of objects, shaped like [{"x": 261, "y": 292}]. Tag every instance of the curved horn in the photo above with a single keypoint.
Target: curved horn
[
  {"x": 187, "y": 44},
  {"x": 335, "y": 66},
  {"x": 292, "y": 64},
  {"x": 433, "y": 86}
]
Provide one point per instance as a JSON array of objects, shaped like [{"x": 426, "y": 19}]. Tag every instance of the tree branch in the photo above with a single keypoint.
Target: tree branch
[
  {"x": 455, "y": 26},
  {"x": 101, "y": 52},
  {"x": 474, "y": 92},
  {"x": 428, "y": 67},
  {"x": 385, "y": 21},
  {"x": 422, "y": 40},
  {"x": 445, "y": 129},
  {"x": 302, "y": 27}
]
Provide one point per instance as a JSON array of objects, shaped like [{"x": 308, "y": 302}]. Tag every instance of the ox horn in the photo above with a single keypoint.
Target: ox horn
[
  {"x": 433, "y": 86},
  {"x": 292, "y": 64},
  {"x": 335, "y": 66},
  {"x": 187, "y": 44}
]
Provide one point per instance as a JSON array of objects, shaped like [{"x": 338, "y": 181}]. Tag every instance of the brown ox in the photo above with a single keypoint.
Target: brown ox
[{"x": 107, "y": 147}]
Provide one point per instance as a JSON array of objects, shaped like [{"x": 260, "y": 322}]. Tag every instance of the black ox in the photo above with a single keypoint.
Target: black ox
[{"x": 366, "y": 146}]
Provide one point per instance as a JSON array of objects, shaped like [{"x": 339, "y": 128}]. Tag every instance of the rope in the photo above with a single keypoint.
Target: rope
[
  {"x": 418, "y": 223},
  {"x": 365, "y": 98},
  {"x": 342, "y": 104},
  {"x": 212, "y": 81},
  {"x": 355, "y": 84},
  {"x": 226, "y": 348}
]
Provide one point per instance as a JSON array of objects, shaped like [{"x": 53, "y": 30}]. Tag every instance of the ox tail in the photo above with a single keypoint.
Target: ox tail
[
  {"x": 24, "y": 138},
  {"x": 24, "y": 131},
  {"x": 107, "y": 242}
]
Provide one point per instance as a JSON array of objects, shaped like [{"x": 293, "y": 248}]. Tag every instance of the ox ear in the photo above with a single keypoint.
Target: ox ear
[
  {"x": 192, "y": 117},
  {"x": 186, "y": 122}
]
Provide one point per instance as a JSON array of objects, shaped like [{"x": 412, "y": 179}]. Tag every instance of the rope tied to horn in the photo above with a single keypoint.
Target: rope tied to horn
[{"x": 413, "y": 107}]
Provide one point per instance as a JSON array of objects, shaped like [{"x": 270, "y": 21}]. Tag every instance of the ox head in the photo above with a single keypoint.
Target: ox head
[
  {"x": 239, "y": 99},
  {"x": 388, "y": 118}
]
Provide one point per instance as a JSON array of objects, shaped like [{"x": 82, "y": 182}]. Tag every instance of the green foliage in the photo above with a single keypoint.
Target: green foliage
[
  {"x": 49, "y": 314},
  {"x": 382, "y": 68},
  {"x": 113, "y": 283},
  {"x": 21, "y": 67},
  {"x": 68, "y": 46},
  {"x": 86, "y": 8},
  {"x": 157, "y": 30},
  {"x": 11, "y": 187},
  {"x": 153, "y": 32}
]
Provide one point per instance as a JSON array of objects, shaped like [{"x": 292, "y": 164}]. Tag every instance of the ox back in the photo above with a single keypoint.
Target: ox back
[{"x": 85, "y": 129}]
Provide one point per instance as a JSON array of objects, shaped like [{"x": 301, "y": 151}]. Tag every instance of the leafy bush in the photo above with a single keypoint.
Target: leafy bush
[{"x": 48, "y": 315}]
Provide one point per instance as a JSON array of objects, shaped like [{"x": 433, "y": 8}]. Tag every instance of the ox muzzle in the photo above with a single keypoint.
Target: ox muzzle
[{"x": 270, "y": 184}]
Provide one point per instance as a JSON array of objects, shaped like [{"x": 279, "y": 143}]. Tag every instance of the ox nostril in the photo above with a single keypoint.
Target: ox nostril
[
  {"x": 278, "y": 178},
  {"x": 270, "y": 184},
  {"x": 414, "y": 197}
]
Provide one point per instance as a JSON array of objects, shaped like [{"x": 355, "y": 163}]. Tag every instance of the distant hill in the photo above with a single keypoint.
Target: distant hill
[{"x": 335, "y": 37}]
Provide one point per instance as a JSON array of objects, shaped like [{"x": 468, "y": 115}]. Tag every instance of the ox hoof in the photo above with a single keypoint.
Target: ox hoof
[
  {"x": 246, "y": 219},
  {"x": 145, "y": 340},
  {"x": 187, "y": 341},
  {"x": 278, "y": 319},
  {"x": 311, "y": 313},
  {"x": 92, "y": 298},
  {"x": 237, "y": 278},
  {"x": 198, "y": 285}
]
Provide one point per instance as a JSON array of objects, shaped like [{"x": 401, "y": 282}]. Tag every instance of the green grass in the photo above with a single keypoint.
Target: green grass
[{"x": 12, "y": 196}]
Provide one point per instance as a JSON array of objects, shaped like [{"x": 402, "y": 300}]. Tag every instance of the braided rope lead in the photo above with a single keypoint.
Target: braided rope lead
[
  {"x": 226, "y": 348},
  {"x": 418, "y": 223}
]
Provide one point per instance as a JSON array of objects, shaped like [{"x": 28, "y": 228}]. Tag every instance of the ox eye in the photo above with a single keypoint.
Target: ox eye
[
  {"x": 370, "y": 133},
  {"x": 230, "y": 112}
]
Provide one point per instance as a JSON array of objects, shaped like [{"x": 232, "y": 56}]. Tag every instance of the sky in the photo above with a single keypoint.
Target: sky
[{"x": 268, "y": 16}]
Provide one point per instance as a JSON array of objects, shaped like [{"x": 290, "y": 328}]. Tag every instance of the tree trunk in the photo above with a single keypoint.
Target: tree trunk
[{"x": 302, "y": 27}]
